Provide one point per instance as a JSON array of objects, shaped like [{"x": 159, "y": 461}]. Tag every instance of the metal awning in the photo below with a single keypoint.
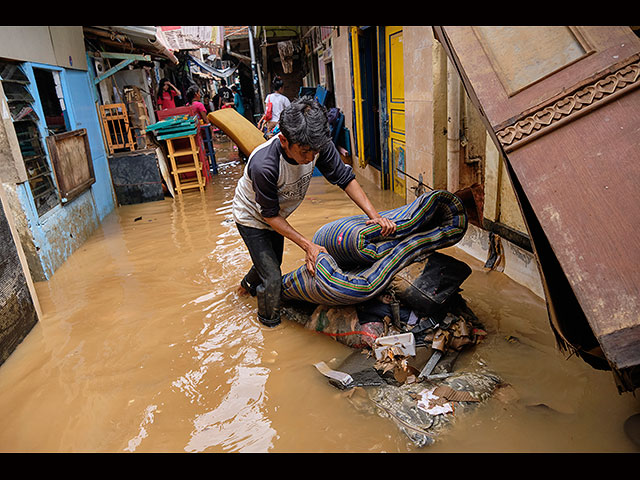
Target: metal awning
[
  {"x": 226, "y": 73},
  {"x": 142, "y": 38}
]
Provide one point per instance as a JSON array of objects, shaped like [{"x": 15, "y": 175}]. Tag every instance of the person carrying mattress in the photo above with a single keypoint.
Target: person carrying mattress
[{"x": 273, "y": 185}]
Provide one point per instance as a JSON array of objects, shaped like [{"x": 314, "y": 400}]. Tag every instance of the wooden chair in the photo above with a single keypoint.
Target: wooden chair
[{"x": 115, "y": 123}]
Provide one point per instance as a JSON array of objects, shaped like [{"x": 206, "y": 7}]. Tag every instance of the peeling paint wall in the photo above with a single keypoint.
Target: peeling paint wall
[
  {"x": 49, "y": 239},
  {"x": 60, "y": 231}
]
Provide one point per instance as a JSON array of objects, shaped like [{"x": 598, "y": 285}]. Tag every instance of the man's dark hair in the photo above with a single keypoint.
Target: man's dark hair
[{"x": 304, "y": 122}]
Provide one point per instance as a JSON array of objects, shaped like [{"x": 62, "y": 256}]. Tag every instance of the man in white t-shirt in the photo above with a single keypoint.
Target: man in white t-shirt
[
  {"x": 278, "y": 102},
  {"x": 274, "y": 183}
]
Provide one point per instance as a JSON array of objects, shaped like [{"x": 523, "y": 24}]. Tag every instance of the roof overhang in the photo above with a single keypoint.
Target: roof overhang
[{"x": 143, "y": 39}]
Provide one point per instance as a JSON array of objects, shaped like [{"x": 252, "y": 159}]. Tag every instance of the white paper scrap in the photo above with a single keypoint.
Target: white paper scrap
[{"x": 423, "y": 403}]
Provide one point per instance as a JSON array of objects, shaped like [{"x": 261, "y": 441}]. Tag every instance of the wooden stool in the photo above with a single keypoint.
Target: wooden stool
[{"x": 184, "y": 163}]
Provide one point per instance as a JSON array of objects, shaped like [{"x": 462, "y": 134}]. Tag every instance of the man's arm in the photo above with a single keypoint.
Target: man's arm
[
  {"x": 336, "y": 172},
  {"x": 355, "y": 193},
  {"x": 284, "y": 228}
]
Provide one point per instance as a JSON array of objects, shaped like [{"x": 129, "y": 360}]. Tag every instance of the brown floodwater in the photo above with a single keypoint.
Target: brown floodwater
[{"x": 144, "y": 345}]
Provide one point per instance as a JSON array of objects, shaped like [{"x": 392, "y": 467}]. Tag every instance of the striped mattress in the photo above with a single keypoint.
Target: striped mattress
[{"x": 360, "y": 263}]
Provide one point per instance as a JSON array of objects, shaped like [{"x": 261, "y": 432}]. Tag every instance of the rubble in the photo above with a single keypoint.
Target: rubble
[{"x": 406, "y": 342}]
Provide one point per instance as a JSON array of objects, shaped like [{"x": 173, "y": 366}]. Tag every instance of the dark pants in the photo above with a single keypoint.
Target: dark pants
[{"x": 264, "y": 280}]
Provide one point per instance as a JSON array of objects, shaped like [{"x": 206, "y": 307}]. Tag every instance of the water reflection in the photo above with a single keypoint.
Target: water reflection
[{"x": 239, "y": 423}]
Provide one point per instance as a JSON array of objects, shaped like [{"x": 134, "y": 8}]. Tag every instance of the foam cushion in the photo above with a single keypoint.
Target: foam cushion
[{"x": 243, "y": 133}]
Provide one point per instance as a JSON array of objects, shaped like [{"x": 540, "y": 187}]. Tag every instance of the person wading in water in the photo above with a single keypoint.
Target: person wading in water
[{"x": 273, "y": 185}]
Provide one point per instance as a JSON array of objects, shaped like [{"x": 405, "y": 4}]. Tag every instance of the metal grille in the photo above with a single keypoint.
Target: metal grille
[{"x": 17, "y": 309}]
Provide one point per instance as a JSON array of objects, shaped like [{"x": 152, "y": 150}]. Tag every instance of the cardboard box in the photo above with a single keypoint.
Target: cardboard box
[{"x": 403, "y": 344}]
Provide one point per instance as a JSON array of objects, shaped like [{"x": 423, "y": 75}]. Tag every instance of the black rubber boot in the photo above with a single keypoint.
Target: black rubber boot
[
  {"x": 268, "y": 307},
  {"x": 268, "y": 322}
]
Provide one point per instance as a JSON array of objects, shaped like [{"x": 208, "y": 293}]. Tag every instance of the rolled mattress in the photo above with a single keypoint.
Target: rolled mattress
[{"x": 360, "y": 263}]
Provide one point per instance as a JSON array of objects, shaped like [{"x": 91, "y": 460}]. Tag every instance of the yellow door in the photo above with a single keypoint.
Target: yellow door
[
  {"x": 395, "y": 108},
  {"x": 357, "y": 94}
]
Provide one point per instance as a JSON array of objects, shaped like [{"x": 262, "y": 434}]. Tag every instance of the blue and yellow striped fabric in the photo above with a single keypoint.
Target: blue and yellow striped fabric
[{"x": 361, "y": 263}]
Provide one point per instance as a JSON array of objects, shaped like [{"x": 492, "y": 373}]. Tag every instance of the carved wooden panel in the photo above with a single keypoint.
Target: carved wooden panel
[
  {"x": 570, "y": 107},
  {"x": 566, "y": 118}
]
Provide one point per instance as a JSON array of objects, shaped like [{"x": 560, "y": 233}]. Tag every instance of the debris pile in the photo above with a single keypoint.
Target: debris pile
[{"x": 407, "y": 340}]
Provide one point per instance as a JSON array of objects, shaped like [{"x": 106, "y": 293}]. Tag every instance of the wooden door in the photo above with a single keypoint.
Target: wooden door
[
  {"x": 562, "y": 105},
  {"x": 395, "y": 107}
]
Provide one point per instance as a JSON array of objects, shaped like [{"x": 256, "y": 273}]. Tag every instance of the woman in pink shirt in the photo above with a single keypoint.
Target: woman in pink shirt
[
  {"x": 166, "y": 94},
  {"x": 193, "y": 99}
]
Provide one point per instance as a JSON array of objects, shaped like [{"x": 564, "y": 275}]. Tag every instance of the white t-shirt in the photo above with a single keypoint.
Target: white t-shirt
[
  {"x": 280, "y": 102},
  {"x": 274, "y": 185}
]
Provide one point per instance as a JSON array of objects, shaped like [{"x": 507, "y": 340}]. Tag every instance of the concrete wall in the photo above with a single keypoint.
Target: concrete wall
[
  {"x": 53, "y": 45},
  {"x": 425, "y": 71}
]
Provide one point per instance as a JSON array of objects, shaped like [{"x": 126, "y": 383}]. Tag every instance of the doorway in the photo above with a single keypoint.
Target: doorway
[
  {"x": 379, "y": 111},
  {"x": 366, "y": 95}
]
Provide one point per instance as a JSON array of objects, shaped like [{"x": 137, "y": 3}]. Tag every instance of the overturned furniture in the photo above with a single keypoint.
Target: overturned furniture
[
  {"x": 566, "y": 125},
  {"x": 180, "y": 133}
]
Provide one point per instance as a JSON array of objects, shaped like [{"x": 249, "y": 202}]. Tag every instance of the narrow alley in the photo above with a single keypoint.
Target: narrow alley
[
  {"x": 486, "y": 301},
  {"x": 145, "y": 346}
]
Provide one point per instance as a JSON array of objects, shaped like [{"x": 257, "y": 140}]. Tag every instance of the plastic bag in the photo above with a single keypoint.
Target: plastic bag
[
  {"x": 342, "y": 324},
  {"x": 269, "y": 113}
]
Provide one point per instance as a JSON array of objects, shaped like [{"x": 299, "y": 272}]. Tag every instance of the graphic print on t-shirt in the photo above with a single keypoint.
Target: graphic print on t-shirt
[{"x": 297, "y": 189}]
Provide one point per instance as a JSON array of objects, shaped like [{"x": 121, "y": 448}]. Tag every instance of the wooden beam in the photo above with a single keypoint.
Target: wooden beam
[
  {"x": 123, "y": 56},
  {"x": 113, "y": 70}
]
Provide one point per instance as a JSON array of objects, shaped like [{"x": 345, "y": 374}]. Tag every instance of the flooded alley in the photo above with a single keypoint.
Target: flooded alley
[{"x": 145, "y": 346}]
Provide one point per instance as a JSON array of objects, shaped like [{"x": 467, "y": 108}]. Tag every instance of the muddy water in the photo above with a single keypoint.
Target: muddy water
[{"x": 145, "y": 346}]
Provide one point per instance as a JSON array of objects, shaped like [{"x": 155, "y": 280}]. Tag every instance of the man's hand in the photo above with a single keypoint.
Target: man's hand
[
  {"x": 388, "y": 227},
  {"x": 311, "y": 256},
  {"x": 311, "y": 249},
  {"x": 355, "y": 193}
]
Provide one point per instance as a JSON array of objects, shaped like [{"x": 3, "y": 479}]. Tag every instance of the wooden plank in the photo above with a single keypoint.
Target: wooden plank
[
  {"x": 590, "y": 213},
  {"x": 72, "y": 165},
  {"x": 113, "y": 70},
  {"x": 124, "y": 56}
]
